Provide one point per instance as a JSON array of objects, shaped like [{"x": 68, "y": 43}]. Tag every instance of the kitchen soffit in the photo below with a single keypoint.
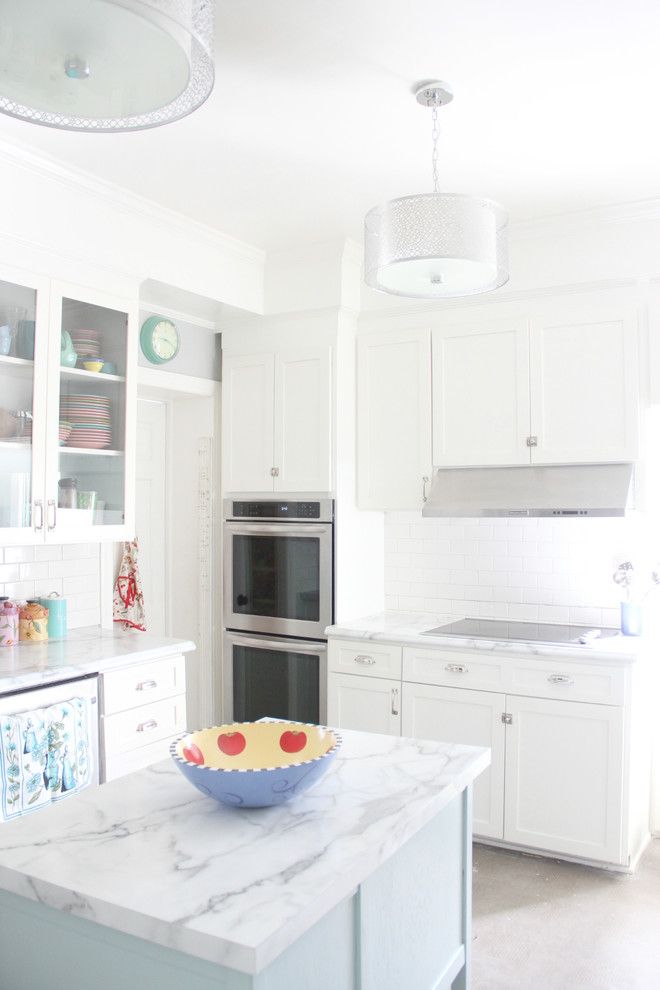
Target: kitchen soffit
[{"x": 296, "y": 142}]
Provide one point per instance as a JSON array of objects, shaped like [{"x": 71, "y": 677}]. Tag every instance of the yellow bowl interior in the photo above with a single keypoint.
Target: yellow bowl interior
[{"x": 256, "y": 745}]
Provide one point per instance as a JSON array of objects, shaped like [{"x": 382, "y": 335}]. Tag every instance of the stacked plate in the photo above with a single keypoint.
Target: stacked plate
[
  {"x": 86, "y": 343},
  {"x": 90, "y": 418}
]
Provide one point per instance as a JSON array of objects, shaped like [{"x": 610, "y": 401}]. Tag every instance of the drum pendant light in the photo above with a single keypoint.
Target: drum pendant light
[
  {"x": 436, "y": 245},
  {"x": 105, "y": 65}
]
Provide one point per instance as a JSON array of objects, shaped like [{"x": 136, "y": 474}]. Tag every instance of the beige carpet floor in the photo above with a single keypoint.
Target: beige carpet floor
[{"x": 539, "y": 924}]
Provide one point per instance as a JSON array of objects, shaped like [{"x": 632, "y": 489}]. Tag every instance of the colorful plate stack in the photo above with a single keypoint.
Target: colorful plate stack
[
  {"x": 86, "y": 344},
  {"x": 90, "y": 420}
]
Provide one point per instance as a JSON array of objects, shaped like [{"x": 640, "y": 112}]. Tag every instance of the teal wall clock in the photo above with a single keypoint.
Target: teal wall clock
[{"x": 159, "y": 340}]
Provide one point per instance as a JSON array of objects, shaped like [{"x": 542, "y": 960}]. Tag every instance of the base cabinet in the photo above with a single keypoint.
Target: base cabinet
[
  {"x": 564, "y": 777},
  {"x": 371, "y": 704},
  {"x": 472, "y": 718}
]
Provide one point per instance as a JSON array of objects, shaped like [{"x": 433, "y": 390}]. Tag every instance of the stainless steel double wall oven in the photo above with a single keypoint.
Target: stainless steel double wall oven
[{"x": 278, "y": 600}]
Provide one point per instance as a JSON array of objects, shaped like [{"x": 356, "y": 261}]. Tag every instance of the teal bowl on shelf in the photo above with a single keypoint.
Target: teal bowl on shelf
[{"x": 255, "y": 764}]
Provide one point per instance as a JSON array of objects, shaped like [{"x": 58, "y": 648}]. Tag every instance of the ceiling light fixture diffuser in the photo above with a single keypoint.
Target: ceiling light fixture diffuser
[
  {"x": 436, "y": 245},
  {"x": 105, "y": 65}
]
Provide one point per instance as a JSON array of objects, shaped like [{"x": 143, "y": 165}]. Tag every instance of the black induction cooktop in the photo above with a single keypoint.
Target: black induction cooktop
[{"x": 549, "y": 633}]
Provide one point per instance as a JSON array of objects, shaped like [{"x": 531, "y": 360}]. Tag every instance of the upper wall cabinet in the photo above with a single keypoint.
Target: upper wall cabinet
[
  {"x": 67, "y": 434},
  {"x": 559, "y": 388},
  {"x": 481, "y": 393},
  {"x": 276, "y": 422},
  {"x": 394, "y": 419},
  {"x": 584, "y": 386}
]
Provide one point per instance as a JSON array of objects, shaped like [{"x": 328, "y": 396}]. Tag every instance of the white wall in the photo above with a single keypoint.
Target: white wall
[{"x": 72, "y": 571}]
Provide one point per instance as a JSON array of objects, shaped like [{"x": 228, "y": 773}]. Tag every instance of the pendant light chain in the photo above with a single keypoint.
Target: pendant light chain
[{"x": 435, "y": 134}]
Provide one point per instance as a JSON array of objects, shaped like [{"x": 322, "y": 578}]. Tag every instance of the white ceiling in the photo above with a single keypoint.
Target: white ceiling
[{"x": 312, "y": 120}]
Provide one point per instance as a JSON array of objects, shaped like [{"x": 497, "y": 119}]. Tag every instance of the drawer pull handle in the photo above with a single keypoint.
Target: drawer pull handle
[
  {"x": 146, "y": 726},
  {"x": 456, "y": 668},
  {"x": 365, "y": 660},
  {"x": 560, "y": 679},
  {"x": 395, "y": 701},
  {"x": 146, "y": 685}
]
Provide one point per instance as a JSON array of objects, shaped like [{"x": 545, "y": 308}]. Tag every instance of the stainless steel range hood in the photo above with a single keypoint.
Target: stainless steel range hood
[{"x": 576, "y": 490}]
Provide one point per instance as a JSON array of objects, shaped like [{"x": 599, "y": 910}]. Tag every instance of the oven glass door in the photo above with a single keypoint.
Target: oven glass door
[
  {"x": 279, "y": 578},
  {"x": 274, "y": 678}
]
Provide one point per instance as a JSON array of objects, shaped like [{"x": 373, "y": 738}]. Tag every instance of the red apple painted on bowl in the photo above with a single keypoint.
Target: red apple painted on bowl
[
  {"x": 231, "y": 743},
  {"x": 193, "y": 753},
  {"x": 292, "y": 741}
]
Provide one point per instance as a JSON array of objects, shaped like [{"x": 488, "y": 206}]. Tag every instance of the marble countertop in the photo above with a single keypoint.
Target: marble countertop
[
  {"x": 150, "y": 856},
  {"x": 408, "y": 628},
  {"x": 84, "y": 651}
]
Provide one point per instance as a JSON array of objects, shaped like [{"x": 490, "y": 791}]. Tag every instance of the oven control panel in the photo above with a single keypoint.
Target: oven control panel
[{"x": 276, "y": 510}]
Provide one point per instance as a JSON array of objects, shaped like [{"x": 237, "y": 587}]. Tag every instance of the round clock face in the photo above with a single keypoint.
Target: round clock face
[{"x": 159, "y": 339}]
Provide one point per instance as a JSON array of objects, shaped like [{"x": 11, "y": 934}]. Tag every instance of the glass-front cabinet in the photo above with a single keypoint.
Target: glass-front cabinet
[{"x": 67, "y": 413}]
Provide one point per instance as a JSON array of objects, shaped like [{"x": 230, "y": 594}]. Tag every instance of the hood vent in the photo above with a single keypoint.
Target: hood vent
[{"x": 575, "y": 490}]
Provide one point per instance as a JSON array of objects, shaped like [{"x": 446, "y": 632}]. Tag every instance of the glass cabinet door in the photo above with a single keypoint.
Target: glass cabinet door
[
  {"x": 23, "y": 356},
  {"x": 92, "y": 426}
]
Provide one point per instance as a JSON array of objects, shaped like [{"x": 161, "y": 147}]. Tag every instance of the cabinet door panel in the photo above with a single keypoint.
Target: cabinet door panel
[
  {"x": 481, "y": 394},
  {"x": 584, "y": 387},
  {"x": 247, "y": 444},
  {"x": 302, "y": 421},
  {"x": 472, "y": 718},
  {"x": 564, "y": 777},
  {"x": 369, "y": 704},
  {"x": 394, "y": 419}
]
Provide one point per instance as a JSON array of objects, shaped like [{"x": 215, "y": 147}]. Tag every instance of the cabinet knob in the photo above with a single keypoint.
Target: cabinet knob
[
  {"x": 38, "y": 504},
  {"x": 241, "y": 599},
  {"x": 425, "y": 481},
  {"x": 146, "y": 685},
  {"x": 274, "y": 472},
  {"x": 364, "y": 659},
  {"x": 532, "y": 441},
  {"x": 52, "y": 515},
  {"x": 456, "y": 668},
  {"x": 395, "y": 701},
  {"x": 146, "y": 726},
  {"x": 560, "y": 679}
]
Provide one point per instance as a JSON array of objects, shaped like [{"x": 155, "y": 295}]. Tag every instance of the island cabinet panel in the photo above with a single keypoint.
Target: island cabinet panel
[
  {"x": 481, "y": 393},
  {"x": 372, "y": 704},
  {"x": 393, "y": 419},
  {"x": 473, "y": 718},
  {"x": 564, "y": 778}
]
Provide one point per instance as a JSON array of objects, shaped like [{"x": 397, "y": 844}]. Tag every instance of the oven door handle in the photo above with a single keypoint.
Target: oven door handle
[
  {"x": 283, "y": 646},
  {"x": 281, "y": 529}
]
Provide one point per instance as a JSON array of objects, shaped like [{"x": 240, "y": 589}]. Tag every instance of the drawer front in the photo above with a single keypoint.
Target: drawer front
[
  {"x": 132, "y": 687},
  {"x": 567, "y": 681},
  {"x": 366, "y": 658},
  {"x": 126, "y": 731},
  {"x": 448, "y": 668},
  {"x": 120, "y": 764}
]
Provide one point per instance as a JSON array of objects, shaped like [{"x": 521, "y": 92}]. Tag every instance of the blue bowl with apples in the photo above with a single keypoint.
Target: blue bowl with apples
[{"x": 255, "y": 764}]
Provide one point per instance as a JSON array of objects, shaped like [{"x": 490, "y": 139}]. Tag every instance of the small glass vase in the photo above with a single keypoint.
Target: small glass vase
[{"x": 632, "y": 618}]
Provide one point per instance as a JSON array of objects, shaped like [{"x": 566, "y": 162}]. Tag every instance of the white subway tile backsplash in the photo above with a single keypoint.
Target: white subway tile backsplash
[
  {"x": 538, "y": 569},
  {"x": 72, "y": 570}
]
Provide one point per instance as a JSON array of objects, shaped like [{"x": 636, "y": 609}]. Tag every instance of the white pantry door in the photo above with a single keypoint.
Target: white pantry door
[
  {"x": 471, "y": 718},
  {"x": 481, "y": 393},
  {"x": 151, "y": 512},
  {"x": 564, "y": 777}
]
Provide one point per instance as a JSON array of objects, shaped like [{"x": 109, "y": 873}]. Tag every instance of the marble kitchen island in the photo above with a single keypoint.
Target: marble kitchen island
[{"x": 362, "y": 882}]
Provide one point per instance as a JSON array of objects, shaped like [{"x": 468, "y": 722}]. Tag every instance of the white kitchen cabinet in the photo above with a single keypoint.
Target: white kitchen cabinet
[
  {"x": 143, "y": 708},
  {"x": 45, "y": 393},
  {"x": 584, "y": 386},
  {"x": 481, "y": 393},
  {"x": 472, "y": 718},
  {"x": 371, "y": 704},
  {"x": 248, "y": 383},
  {"x": 564, "y": 778},
  {"x": 394, "y": 419},
  {"x": 276, "y": 422}
]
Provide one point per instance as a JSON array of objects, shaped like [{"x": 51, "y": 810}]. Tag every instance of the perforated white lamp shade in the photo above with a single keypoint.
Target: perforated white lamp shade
[
  {"x": 436, "y": 245},
  {"x": 149, "y": 61}
]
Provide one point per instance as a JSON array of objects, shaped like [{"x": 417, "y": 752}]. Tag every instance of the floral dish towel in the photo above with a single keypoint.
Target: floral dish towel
[{"x": 128, "y": 601}]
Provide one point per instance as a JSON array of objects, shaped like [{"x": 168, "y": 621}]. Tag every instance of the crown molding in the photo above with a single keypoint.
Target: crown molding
[
  {"x": 637, "y": 211},
  {"x": 147, "y": 209}
]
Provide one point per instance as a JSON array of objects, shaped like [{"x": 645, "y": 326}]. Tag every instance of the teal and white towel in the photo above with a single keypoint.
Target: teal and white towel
[{"x": 44, "y": 756}]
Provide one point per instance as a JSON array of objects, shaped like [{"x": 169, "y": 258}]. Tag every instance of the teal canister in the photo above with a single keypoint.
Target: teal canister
[{"x": 56, "y": 606}]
